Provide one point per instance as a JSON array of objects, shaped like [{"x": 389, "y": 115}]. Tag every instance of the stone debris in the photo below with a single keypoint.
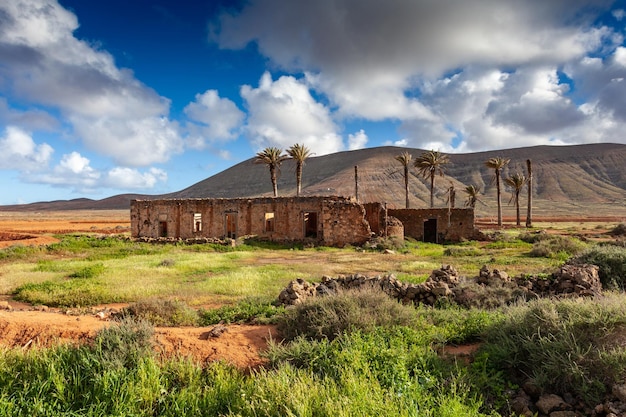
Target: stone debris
[{"x": 577, "y": 280}]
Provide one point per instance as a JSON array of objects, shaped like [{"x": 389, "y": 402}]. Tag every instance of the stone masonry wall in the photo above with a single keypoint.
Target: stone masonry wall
[
  {"x": 333, "y": 221},
  {"x": 457, "y": 226}
]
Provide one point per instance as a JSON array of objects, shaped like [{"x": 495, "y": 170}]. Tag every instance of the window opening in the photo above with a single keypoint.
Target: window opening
[
  {"x": 269, "y": 222},
  {"x": 310, "y": 224},
  {"x": 197, "y": 222}
]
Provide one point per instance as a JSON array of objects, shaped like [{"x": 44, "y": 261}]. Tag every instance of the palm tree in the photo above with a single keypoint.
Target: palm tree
[
  {"x": 497, "y": 164},
  {"x": 430, "y": 164},
  {"x": 405, "y": 159},
  {"x": 472, "y": 195},
  {"x": 516, "y": 182},
  {"x": 299, "y": 153},
  {"x": 272, "y": 157}
]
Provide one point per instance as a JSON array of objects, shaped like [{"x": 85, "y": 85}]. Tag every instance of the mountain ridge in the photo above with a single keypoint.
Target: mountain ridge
[{"x": 566, "y": 179}]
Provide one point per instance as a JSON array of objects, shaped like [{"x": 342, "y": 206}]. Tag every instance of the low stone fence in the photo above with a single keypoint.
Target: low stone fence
[{"x": 577, "y": 280}]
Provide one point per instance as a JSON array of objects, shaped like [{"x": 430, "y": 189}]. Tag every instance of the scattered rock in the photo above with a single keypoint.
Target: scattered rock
[
  {"x": 4, "y": 305},
  {"x": 551, "y": 402},
  {"x": 216, "y": 331}
]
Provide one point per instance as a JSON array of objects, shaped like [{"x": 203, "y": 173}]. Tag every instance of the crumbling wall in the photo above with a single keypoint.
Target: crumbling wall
[
  {"x": 452, "y": 225},
  {"x": 333, "y": 221}
]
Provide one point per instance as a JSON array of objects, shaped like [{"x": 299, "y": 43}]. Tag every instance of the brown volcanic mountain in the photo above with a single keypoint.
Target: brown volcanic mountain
[{"x": 568, "y": 180}]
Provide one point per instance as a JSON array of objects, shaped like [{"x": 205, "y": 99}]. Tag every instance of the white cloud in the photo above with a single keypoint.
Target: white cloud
[
  {"x": 44, "y": 64},
  {"x": 283, "y": 112},
  {"x": 19, "y": 151},
  {"x": 213, "y": 118},
  {"x": 131, "y": 142},
  {"x": 365, "y": 55},
  {"x": 127, "y": 178},
  {"x": 357, "y": 140}
]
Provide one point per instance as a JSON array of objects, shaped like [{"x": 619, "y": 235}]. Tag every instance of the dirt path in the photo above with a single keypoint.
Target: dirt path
[{"x": 23, "y": 327}]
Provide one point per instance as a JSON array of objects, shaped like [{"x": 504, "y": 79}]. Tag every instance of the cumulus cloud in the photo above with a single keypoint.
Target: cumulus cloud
[
  {"x": 19, "y": 151},
  {"x": 357, "y": 140},
  {"x": 127, "y": 178},
  {"x": 43, "y": 63},
  {"x": 212, "y": 118},
  {"x": 365, "y": 54},
  {"x": 283, "y": 112}
]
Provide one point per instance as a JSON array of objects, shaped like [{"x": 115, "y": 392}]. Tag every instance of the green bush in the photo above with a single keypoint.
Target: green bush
[
  {"x": 611, "y": 261},
  {"x": 557, "y": 247},
  {"x": 461, "y": 251},
  {"x": 563, "y": 346},
  {"x": 68, "y": 293},
  {"x": 90, "y": 271},
  {"x": 246, "y": 311},
  {"x": 328, "y": 317},
  {"x": 534, "y": 237},
  {"x": 159, "y": 312},
  {"x": 124, "y": 344}
]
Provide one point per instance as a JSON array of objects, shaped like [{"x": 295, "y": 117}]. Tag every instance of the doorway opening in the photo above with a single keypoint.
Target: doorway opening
[
  {"x": 430, "y": 230},
  {"x": 231, "y": 225},
  {"x": 310, "y": 224},
  {"x": 162, "y": 229}
]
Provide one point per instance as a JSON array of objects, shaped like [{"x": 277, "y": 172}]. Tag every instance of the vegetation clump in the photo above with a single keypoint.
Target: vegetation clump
[
  {"x": 561, "y": 247},
  {"x": 364, "y": 309},
  {"x": 160, "y": 312},
  {"x": 611, "y": 261},
  {"x": 246, "y": 311}
]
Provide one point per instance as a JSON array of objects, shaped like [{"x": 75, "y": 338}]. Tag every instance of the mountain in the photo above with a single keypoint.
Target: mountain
[{"x": 568, "y": 180}]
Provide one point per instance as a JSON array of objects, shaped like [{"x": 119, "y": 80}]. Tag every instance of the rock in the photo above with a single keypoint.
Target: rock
[
  {"x": 551, "y": 402},
  {"x": 217, "y": 331},
  {"x": 531, "y": 389},
  {"x": 567, "y": 413},
  {"x": 619, "y": 390},
  {"x": 4, "y": 305}
]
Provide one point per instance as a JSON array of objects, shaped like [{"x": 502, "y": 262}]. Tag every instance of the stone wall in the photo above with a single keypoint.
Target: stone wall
[
  {"x": 333, "y": 221},
  {"x": 451, "y": 225},
  {"x": 569, "y": 280}
]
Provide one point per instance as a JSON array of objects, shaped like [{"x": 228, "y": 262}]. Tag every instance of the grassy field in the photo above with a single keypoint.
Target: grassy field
[{"x": 376, "y": 357}]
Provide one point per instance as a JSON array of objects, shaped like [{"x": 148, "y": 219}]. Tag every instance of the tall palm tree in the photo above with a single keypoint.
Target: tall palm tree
[
  {"x": 497, "y": 164},
  {"x": 429, "y": 164},
  {"x": 272, "y": 157},
  {"x": 405, "y": 159},
  {"x": 516, "y": 182},
  {"x": 472, "y": 195},
  {"x": 299, "y": 153}
]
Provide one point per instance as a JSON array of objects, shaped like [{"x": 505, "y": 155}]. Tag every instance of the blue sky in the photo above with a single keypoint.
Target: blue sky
[{"x": 99, "y": 98}]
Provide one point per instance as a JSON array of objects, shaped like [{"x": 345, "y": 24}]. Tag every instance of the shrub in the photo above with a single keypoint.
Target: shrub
[
  {"x": 124, "y": 344},
  {"x": 534, "y": 237},
  {"x": 557, "y": 247},
  {"x": 612, "y": 263},
  {"x": 619, "y": 230},
  {"x": 328, "y": 317},
  {"x": 159, "y": 312},
  {"x": 461, "y": 251},
  {"x": 253, "y": 310},
  {"x": 90, "y": 271},
  {"x": 564, "y": 346}
]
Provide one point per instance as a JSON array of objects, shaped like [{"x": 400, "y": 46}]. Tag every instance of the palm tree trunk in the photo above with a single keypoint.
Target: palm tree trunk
[
  {"x": 529, "y": 210},
  {"x": 432, "y": 190},
  {"x": 406, "y": 185},
  {"x": 517, "y": 208},
  {"x": 274, "y": 181},
  {"x": 499, "y": 199},
  {"x": 298, "y": 179}
]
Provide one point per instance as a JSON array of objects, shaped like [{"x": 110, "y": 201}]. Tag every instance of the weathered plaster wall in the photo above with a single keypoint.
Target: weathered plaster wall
[
  {"x": 452, "y": 225},
  {"x": 333, "y": 221}
]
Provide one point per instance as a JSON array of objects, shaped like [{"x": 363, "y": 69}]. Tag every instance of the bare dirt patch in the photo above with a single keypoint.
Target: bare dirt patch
[{"x": 29, "y": 329}]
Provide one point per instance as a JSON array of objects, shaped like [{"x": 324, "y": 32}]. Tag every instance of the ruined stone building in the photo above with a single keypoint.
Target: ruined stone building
[{"x": 330, "y": 221}]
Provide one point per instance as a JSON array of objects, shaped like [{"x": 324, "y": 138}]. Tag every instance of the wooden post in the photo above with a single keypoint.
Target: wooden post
[{"x": 356, "y": 182}]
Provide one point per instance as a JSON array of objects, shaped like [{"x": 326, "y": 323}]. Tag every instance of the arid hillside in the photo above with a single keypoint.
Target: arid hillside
[{"x": 568, "y": 180}]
